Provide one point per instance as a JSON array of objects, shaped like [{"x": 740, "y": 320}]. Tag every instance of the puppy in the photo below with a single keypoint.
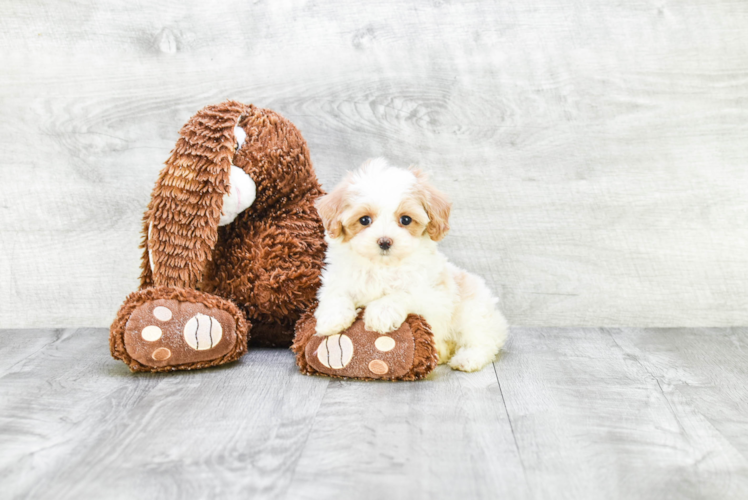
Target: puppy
[{"x": 382, "y": 224}]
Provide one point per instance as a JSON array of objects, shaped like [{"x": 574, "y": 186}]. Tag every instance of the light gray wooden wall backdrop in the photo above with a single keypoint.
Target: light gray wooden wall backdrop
[{"x": 596, "y": 151}]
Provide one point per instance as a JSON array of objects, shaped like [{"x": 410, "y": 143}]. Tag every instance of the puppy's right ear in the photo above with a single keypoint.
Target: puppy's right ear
[{"x": 330, "y": 208}]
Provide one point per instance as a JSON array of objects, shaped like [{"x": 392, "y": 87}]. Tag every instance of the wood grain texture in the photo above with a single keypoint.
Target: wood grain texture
[
  {"x": 596, "y": 414},
  {"x": 564, "y": 413},
  {"x": 595, "y": 152},
  {"x": 76, "y": 424},
  {"x": 446, "y": 437}
]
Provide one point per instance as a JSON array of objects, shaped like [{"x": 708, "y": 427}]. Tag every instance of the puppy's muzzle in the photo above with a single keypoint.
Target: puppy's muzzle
[{"x": 384, "y": 243}]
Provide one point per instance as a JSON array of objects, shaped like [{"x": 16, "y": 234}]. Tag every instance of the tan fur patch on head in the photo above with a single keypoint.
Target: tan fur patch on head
[
  {"x": 413, "y": 208},
  {"x": 436, "y": 204},
  {"x": 352, "y": 225},
  {"x": 331, "y": 206}
]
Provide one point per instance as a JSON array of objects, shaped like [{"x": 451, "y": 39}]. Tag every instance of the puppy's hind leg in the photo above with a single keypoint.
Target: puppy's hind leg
[{"x": 481, "y": 329}]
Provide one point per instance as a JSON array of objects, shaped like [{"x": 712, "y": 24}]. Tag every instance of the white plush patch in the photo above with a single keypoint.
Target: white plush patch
[
  {"x": 202, "y": 332},
  {"x": 240, "y": 135},
  {"x": 151, "y": 333},
  {"x": 162, "y": 313},
  {"x": 240, "y": 197},
  {"x": 336, "y": 351},
  {"x": 384, "y": 343}
]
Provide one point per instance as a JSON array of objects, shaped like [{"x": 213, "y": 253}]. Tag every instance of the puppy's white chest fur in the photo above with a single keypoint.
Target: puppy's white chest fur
[
  {"x": 418, "y": 277},
  {"x": 422, "y": 283}
]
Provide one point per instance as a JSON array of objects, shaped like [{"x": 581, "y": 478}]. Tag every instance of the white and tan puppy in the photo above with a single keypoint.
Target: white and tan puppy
[{"x": 382, "y": 224}]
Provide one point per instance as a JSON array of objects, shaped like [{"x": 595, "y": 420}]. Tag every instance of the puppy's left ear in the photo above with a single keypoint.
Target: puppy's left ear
[{"x": 436, "y": 204}]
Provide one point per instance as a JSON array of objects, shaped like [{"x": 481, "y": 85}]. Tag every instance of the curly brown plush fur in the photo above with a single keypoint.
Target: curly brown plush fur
[{"x": 268, "y": 260}]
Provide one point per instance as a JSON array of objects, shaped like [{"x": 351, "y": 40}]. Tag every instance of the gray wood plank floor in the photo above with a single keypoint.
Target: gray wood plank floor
[{"x": 565, "y": 413}]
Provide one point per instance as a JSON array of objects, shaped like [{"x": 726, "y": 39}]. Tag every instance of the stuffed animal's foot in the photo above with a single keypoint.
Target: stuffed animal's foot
[
  {"x": 164, "y": 328},
  {"x": 407, "y": 353}
]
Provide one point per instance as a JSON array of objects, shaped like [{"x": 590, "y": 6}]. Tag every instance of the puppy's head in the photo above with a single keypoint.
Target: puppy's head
[{"x": 384, "y": 213}]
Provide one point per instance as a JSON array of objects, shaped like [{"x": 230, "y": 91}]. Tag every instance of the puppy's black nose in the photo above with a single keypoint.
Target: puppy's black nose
[{"x": 384, "y": 243}]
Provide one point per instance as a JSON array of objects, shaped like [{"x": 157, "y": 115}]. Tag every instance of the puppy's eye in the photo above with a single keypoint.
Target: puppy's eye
[
  {"x": 405, "y": 220},
  {"x": 365, "y": 220}
]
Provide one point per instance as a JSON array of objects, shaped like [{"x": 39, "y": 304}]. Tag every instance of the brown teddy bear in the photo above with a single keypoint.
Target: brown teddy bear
[
  {"x": 232, "y": 241},
  {"x": 207, "y": 283}
]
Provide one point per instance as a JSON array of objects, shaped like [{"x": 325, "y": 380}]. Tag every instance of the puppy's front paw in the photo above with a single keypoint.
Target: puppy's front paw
[
  {"x": 333, "y": 320},
  {"x": 384, "y": 316},
  {"x": 471, "y": 359}
]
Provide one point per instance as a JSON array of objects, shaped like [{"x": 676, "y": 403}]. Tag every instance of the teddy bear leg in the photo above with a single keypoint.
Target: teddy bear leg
[
  {"x": 407, "y": 353},
  {"x": 168, "y": 328}
]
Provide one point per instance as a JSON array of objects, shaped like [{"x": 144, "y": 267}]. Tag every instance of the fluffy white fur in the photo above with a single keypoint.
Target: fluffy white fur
[{"x": 412, "y": 276}]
